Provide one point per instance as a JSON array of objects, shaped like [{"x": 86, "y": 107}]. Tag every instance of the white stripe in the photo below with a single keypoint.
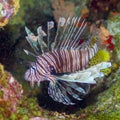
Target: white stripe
[
  {"x": 68, "y": 61},
  {"x": 43, "y": 63},
  {"x": 57, "y": 56},
  {"x": 82, "y": 58},
  {"x": 78, "y": 54},
  {"x": 48, "y": 58},
  {"x": 87, "y": 60}
]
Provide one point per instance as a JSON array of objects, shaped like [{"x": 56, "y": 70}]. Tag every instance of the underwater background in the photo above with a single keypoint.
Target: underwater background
[{"x": 18, "y": 101}]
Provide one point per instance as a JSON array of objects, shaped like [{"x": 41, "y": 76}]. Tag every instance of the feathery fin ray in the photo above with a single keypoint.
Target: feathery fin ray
[{"x": 67, "y": 35}]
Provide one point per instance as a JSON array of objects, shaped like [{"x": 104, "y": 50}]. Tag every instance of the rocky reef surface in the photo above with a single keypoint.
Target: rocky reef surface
[
  {"x": 14, "y": 104},
  {"x": 19, "y": 102}
]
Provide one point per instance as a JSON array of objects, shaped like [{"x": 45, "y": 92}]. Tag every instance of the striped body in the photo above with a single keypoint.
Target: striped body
[{"x": 66, "y": 61}]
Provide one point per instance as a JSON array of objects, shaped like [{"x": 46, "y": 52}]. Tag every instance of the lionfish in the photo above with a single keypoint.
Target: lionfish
[{"x": 64, "y": 61}]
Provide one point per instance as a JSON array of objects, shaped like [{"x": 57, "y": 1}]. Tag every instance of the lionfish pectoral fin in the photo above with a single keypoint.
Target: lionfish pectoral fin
[
  {"x": 66, "y": 91},
  {"x": 86, "y": 76},
  {"x": 89, "y": 80},
  {"x": 74, "y": 89},
  {"x": 59, "y": 94}
]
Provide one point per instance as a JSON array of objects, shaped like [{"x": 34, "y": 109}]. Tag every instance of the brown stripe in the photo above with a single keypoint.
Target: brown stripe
[
  {"x": 61, "y": 66},
  {"x": 38, "y": 69},
  {"x": 80, "y": 60},
  {"x": 76, "y": 56},
  {"x": 65, "y": 61},
  {"x": 85, "y": 52},
  {"x": 56, "y": 57},
  {"x": 40, "y": 64},
  {"x": 71, "y": 60},
  {"x": 49, "y": 62}
]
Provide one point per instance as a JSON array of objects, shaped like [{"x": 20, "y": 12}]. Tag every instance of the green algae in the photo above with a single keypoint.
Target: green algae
[
  {"x": 101, "y": 56},
  {"x": 107, "y": 106},
  {"x": 114, "y": 29}
]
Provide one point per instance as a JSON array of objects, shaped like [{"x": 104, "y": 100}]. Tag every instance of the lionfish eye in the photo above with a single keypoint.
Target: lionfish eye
[
  {"x": 33, "y": 67},
  {"x": 52, "y": 70}
]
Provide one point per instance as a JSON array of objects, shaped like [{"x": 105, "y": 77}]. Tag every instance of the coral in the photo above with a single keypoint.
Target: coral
[
  {"x": 103, "y": 33},
  {"x": 10, "y": 93},
  {"x": 114, "y": 25},
  {"x": 80, "y": 7},
  {"x": 105, "y": 39},
  {"x": 8, "y": 9},
  {"x": 62, "y": 8},
  {"x": 16, "y": 6},
  {"x": 108, "y": 102},
  {"x": 22, "y": 18},
  {"x": 101, "y": 56},
  {"x": 114, "y": 28},
  {"x": 99, "y": 9}
]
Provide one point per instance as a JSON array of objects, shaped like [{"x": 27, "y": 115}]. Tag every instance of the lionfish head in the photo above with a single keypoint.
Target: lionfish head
[
  {"x": 30, "y": 74},
  {"x": 36, "y": 74},
  {"x": 33, "y": 76}
]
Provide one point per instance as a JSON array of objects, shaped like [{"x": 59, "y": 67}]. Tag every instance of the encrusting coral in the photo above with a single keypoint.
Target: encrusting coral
[
  {"x": 8, "y": 9},
  {"x": 114, "y": 28},
  {"x": 10, "y": 93},
  {"x": 107, "y": 106},
  {"x": 101, "y": 56},
  {"x": 62, "y": 8}
]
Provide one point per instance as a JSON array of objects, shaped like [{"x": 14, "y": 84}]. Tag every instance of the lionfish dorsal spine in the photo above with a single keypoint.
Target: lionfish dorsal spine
[
  {"x": 36, "y": 42},
  {"x": 50, "y": 25},
  {"x": 73, "y": 29},
  {"x": 72, "y": 33},
  {"x": 40, "y": 36},
  {"x": 61, "y": 23},
  {"x": 81, "y": 29},
  {"x": 31, "y": 39},
  {"x": 69, "y": 32},
  {"x": 67, "y": 36},
  {"x": 29, "y": 53}
]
